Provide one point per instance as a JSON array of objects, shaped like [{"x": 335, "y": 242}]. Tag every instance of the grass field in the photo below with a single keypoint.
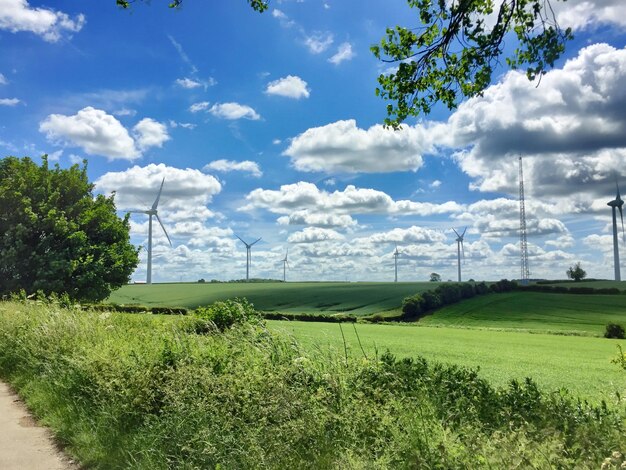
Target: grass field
[
  {"x": 621, "y": 285},
  {"x": 359, "y": 298},
  {"x": 534, "y": 311},
  {"x": 580, "y": 364}
]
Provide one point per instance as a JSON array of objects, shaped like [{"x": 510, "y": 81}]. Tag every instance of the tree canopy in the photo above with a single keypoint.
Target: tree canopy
[
  {"x": 576, "y": 272},
  {"x": 56, "y": 237}
]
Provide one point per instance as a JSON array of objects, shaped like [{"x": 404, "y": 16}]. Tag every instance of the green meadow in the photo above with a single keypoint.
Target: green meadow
[
  {"x": 580, "y": 364},
  {"x": 358, "y": 298}
]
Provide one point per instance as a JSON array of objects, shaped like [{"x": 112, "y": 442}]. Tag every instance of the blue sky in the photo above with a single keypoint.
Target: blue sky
[{"x": 266, "y": 125}]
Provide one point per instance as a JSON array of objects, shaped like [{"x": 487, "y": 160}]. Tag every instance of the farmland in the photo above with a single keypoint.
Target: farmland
[{"x": 360, "y": 298}]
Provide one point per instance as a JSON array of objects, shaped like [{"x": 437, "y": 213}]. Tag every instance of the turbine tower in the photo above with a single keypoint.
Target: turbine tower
[
  {"x": 153, "y": 212},
  {"x": 523, "y": 244},
  {"x": 248, "y": 255},
  {"x": 285, "y": 264},
  {"x": 459, "y": 248},
  {"x": 616, "y": 203},
  {"x": 396, "y": 254}
]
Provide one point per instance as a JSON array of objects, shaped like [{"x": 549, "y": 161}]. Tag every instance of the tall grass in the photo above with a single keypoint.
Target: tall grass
[{"x": 138, "y": 392}]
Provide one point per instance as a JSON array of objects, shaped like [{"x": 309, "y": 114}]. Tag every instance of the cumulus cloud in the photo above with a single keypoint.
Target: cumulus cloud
[
  {"x": 318, "y": 42},
  {"x": 18, "y": 16},
  {"x": 316, "y": 219},
  {"x": 99, "y": 133},
  {"x": 313, "y": 235},
  {"x": 290, "y": 86},
  {"x": 150, "y": 133},
  {"x": 408, "y": 236},
  {"x": 9, "y": 101},
  {"x": 186, "y": 192},
  {"x": 571, "y": 127},
  {"x": 343, "y": 147},
  {"x": 584, "y": 14},
  {"x": 344, "y": 52},
  {"x": 226, "y": 166},
  {"x": 3, "y": 80},
  {"x": 233, "y": 111}
]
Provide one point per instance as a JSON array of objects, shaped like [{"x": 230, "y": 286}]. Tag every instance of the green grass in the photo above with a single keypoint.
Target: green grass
[
  {"x": 580, "y": 364},
  {"x": 360, "y": 298},
  {"x": 535, "y": 311},
  {"x": 621, "y": 285}
]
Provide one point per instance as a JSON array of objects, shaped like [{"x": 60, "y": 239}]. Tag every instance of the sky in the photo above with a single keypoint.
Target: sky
[{"x": 267, "y": 125}]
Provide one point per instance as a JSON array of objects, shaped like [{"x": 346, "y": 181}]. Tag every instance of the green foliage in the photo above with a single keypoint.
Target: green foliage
[
  {"x": 55, "y": 236},
  {"x": 434, "y": 277},
  {"x": 620, "y": 360},
  {"x": 453, "y": 54},
  {"x": 576, "y": 272},
  {"x": 133, "y": 392},
  {"x": 615, "y": 331},
  {"x": 413, "y": 307},
  {"x": 228, "y": 313},
  {"x": 258, "y": 5}
]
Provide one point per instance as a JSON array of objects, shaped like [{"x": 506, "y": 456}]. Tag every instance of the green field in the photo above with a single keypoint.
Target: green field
[
  {"x": 580, "y": 364},
  {"x": 359, "y": 298},
  {"x": 534, "y": 311}
]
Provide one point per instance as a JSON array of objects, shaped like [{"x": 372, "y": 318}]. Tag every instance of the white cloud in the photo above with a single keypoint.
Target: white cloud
[
  {"x": 290, "y": 86},
  {"x": 188, "y": 83},
  {"x": 230, "y": 165},
  {"x": 285, "y": 22},
  {"x": 584, "y": 14},
  {"x": 343, "y": 147},
  {"x": 318, "y": 42},
  {"x": 150, "y": 133},
  {"x": 3, "y": 80},
  {"x": 344, "y": 52},
  {"x": 17, "y": 16},
  {"x": 9, "y": 101},
  {"x": 234, "y": 111},
  {"x": 124, "y": 112},
  {"x": 325, "y": 220},
  {"x": 314, "y": 235},
  {"x": 407, "y": 236},
  {"x": 435, "y": 184},
  {"x": 184, "y": 125},
  {"x": 200, "y": 106},
  {"x": 99, "y": 133}
]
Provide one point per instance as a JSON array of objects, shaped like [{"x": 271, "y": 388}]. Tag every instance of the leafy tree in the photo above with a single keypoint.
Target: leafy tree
[
  {"x": 434, "y": 277},
  {"x": 453, "y": 54},
  {"x": 55, "y": 236},
  {"x": 576, "y": 272},
  {"x": 258, "y": 5}
]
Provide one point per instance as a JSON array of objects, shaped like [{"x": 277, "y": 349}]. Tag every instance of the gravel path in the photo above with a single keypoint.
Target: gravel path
[{"x": 24, "y": 445}]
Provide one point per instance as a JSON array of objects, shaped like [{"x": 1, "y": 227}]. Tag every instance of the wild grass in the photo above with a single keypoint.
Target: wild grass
[
  {"x": 126, "y": 391},
  {"x": 356, "y": 298}
]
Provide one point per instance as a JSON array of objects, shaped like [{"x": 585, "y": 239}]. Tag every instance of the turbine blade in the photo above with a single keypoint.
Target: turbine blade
[
  {"x": 255, "y": 241},
  {"x": 621, "y": 214},
  {"x": 464, "y": 230},
  {"x": 463, "y": 250},
  {"x": 164, "y": 231},
  {"x": 156, "y": 201},
  {"x": 241, "y": 240},
  {"x": 457, "y": 233}
]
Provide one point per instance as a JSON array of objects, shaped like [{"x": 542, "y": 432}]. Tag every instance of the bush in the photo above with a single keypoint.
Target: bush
[
  {"x": 413, "y": 307},
  {"x": 225, "y": 314},
  {"x": 431, "y": 300},
  {"x": 615, "y": 331}
]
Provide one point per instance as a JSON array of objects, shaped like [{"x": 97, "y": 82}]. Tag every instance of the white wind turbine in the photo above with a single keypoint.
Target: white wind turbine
[
  {"x": 153, "y": 212},
  {"x": 285, "y": 265},
  {"x": 396, "y": 254},
  {"x": 248, "y": 255},
  {"x": 616, "y": 203},
  {"x": 459, "y": 248}
]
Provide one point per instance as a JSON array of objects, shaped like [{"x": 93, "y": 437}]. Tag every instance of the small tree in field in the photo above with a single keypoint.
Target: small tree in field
[
  {"x": 56, "y": 236},
  {"x": 576, "y": 272},
  {"x": 434, "y": 277}
]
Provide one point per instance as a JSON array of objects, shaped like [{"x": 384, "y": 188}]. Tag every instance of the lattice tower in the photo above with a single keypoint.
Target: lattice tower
[{"x": 523, "y": 243}]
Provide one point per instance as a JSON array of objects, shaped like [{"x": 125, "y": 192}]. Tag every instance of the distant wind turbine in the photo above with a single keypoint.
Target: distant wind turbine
[
  {"x": 285, "y": 265},
  {"x": 248, "y": 255},
  {"x": 396, "y": 254},
  {"x": 459, "y": 248},
  {"x": 616, "y": 203},
  {"x": 153, "y": 212}
]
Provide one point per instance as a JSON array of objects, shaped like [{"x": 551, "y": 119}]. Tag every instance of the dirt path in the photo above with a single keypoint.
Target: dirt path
[{"x": 24, "y": 445}]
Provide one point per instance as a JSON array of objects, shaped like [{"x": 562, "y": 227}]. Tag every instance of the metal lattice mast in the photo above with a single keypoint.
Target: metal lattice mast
[{"x": 523, "y": 243}]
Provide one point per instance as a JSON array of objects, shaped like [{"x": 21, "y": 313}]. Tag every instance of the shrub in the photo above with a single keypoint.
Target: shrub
[
  {"x": 481, "y": 288},
  {"x": 431, "y": 300},
  {"x": 613, "y": 330},
  {"x": 413, "y": 307},
  {"x": 225, "y": 314}
]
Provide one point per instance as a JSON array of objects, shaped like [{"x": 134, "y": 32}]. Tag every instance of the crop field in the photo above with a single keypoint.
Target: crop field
[
  {"x": 580, "y": 364},
  {"x": 534, "y": 311},
  {"x": 359, "y": 298}
]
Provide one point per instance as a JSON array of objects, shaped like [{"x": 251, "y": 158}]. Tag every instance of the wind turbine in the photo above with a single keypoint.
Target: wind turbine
[
  {"x": 285, "y": 264},
  {"x": 396, "y": 254},
  {"x": 459, "y": 248},
  {"x": 248, "y": 255},
  {"x": 153, "y": 212},
  {"x": 616, "y": 203}
]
